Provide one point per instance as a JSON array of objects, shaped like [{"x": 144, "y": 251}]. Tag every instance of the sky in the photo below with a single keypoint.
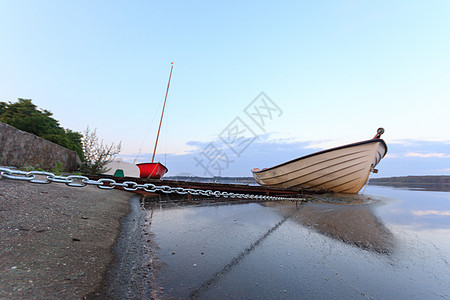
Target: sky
[{"x": 323, "y": 73}]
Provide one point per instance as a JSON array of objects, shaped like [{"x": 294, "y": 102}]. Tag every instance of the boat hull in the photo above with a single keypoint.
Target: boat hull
[
  {"x": 343, "y": 169},
  {"x": 152, "y": 170}
]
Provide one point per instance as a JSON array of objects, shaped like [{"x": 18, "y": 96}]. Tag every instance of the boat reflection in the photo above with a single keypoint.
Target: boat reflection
[{"x": 353, "y": 224}]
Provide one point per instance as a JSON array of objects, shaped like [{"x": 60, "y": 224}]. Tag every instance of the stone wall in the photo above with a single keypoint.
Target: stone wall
[{"x": 22, "y": 149}]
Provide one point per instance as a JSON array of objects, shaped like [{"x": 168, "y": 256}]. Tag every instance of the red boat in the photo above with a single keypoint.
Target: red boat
[
  {"x": 152, "y": 170},
  {"x": 155, "y": 170}
]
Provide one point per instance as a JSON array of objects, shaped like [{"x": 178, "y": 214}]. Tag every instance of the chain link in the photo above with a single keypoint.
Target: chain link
[
  {"x": 107, "y": 183},
  {"x": 15, "y": 174}
]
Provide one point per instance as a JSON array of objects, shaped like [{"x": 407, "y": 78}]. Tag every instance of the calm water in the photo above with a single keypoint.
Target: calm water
[{"x": 388, "y": 244}]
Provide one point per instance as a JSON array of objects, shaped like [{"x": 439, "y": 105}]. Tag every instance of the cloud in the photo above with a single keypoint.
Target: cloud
[
  {"x": 411, "y": 142},
  {"x": 431, "y": 212},
  {"x": 321, "y": 145},
  {"x": 427, "y": 155}
]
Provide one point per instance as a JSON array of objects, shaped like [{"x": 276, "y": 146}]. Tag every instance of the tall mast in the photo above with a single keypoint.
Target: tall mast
[{"x": 162, "y": 114}]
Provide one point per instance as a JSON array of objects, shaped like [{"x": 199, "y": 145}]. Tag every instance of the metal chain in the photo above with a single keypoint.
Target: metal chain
[{"x": 107, "y": 184}]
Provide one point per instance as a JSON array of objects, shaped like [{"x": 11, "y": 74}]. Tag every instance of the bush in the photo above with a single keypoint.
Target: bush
[{"x": 96, "y": 155}]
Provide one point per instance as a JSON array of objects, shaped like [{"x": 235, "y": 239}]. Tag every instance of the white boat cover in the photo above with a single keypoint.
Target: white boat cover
[{"x": 129, "y": 169}]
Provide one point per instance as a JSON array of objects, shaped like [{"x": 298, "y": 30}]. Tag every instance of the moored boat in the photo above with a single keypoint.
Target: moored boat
[
  {"x": 343, "y": 169},
  {"x": 152, "y": 170},
  {"x": 155, "y": 170}
]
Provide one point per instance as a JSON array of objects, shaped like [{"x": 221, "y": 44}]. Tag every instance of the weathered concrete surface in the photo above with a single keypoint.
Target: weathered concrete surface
[
  {"x": 19, "y": 148},
  {"x": 130, "y": 275},
  {"x": 55, "y": 241}
]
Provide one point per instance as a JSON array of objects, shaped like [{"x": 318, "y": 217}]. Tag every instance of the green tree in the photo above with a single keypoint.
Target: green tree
[
  {"x": 73, "y": 142},
  {"x": 2, "y": 107},
  {"x": 24, "y": 115}
]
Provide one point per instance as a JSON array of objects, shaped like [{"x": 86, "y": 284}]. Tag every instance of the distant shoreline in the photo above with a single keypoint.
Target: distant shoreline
[
  {"x": 431, "y": 183},
  {"x": 215, "y": 179}
]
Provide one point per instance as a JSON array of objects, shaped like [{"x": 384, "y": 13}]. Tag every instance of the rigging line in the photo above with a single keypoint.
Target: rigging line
[
  {"x": 368, "y": 176},
  {"x": 146, "y": 134},
  {"x": 148, "y": 130},
  {"x": 365, "y": 185},
  {"x": 167, "y": 133},
  {"x": 208, "y": 284},
  {"x": 162, "y": 114}
]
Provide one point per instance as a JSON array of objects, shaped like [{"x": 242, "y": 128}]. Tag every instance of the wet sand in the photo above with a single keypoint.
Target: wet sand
[{"x": 56, "y": 241}]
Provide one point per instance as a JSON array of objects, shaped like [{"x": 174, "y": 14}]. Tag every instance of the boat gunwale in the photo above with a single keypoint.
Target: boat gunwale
[{"x": 325, "y": 151}]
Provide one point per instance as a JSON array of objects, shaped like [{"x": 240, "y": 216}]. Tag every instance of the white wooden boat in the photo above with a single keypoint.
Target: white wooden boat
[{"x": 343, "y": 169}]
